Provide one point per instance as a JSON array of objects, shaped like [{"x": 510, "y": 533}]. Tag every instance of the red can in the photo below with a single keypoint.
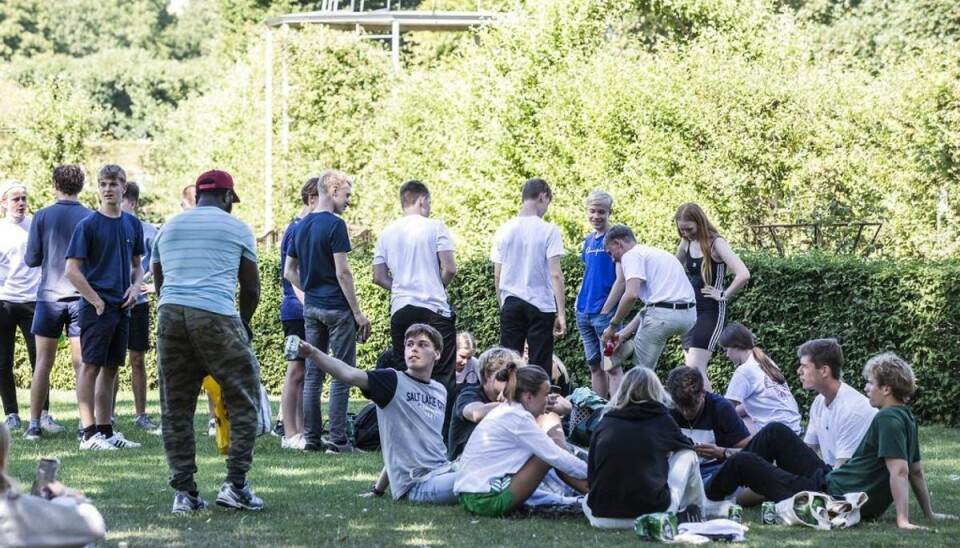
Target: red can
[{"x": 610, "y": 346}]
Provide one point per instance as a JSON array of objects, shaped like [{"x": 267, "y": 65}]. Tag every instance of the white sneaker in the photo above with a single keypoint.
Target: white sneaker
[
  {"x": 117, "y": 440},
  {"x": 97, "y": 443},
  {"x": 296, "y": 441}
]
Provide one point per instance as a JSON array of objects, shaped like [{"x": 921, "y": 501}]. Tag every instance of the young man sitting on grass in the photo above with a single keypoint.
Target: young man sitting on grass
[
  {"x": 883, "y": 466},
  {"x": 410, "y": 410}
]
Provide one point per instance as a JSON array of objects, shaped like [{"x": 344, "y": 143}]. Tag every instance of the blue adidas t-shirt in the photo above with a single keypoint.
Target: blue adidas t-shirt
[
  {"x": 290, "y": 307},
  {"x": 599, "y": 274},
  {"x": 106, "y": 246},
  {"x": 315, "y": 240},
  {"x": 50, "y": 234}
]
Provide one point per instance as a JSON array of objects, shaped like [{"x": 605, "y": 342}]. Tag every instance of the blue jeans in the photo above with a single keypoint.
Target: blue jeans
[
  {"x": 436, "y": 490},
  {"x": 591, "y": 327},
  {"x": 334, "y": 332}
]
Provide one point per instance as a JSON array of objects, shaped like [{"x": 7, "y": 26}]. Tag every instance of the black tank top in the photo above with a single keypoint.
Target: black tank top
[{"x": 718, "y": 271}]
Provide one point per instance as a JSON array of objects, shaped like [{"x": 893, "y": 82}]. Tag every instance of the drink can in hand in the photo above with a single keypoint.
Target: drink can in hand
[
  {"x": 291, "y": 348},
  {"x": 610, "y": 346}
]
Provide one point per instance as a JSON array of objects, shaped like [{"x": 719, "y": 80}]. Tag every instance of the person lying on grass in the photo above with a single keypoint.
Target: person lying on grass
[
  {"x": 410, "y": 413},
  {"x": 508, "y": 455},
  {"x": 885, "y": 465}
]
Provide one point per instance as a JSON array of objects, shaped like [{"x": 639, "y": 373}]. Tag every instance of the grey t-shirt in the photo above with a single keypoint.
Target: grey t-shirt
[{"x": 410, "y": 415}]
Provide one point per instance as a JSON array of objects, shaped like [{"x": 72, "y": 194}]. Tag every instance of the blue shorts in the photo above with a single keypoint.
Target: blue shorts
[
  {"x": 103, "y": 338},
  {"x": 50, "y": 317},
  {"x": 591, "y": 327},
  {"x": 138, "y": 339}
]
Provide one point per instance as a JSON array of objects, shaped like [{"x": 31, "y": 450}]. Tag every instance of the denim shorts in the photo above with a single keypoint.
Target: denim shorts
[
  {"x": 103, "y": 338},
  {"x": 591, "y": 327},
  {"x": 50, "y": 317}
]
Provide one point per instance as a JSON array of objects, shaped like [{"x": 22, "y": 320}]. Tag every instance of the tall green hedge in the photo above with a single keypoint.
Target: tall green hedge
[{"x": 870, "y": 306}]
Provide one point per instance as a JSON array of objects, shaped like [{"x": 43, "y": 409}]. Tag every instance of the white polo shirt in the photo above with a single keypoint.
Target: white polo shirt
[
  {"x": 839, "y": 428},
  {"x": 663, "y": 277}
]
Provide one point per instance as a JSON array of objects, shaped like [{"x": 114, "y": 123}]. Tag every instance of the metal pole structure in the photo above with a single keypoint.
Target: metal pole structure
[
  {"x": 285, "y": 90},
  {"x": 268, "y": 135},
  {"x": 395, "y": 45}
]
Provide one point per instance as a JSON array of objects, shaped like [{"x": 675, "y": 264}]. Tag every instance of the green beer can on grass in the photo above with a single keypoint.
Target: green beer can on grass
[
  {"x": 768, "y": 513},
  {"x": 659, "y": 526}
]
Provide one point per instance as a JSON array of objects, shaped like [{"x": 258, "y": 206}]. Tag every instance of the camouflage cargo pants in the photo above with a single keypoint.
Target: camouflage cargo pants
[{"x": 192, "y": 344}]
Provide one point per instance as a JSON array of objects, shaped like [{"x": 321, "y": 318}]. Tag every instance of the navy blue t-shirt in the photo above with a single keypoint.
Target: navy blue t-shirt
[
  {"x": 50, "y": 234},
  {"x": 107, "y": 245},
  {"x": 718, "y": 424},
  {"x": 598, "y": 276},
  {"x": 315, "y": 240},
  {"x": 290, "y": 307}
]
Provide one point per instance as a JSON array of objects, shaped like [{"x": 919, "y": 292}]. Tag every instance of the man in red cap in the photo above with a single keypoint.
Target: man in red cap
[{"x": 198, "y": 258}]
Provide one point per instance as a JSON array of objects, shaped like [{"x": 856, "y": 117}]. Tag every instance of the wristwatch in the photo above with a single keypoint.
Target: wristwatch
[{"x": 727, "y": 453}]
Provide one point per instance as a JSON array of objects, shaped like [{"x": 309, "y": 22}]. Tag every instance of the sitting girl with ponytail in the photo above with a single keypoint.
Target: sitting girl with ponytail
[
  {"x": 758, "y": 389},
  {"x": 508, "y": 455}
]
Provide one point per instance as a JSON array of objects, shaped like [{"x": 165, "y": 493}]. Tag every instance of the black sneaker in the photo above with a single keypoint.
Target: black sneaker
[
  {"x": 278, "y": 429},
  {"x": 238, "y": 499},
  {"x": 690, "y": 514},
  {"x": 33, "y": 433}
]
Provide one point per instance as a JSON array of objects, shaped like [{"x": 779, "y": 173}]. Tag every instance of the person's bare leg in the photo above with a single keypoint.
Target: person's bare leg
[
  {"x": 598, "y": 382},
  {"x": 526, "y": 480},
  {"x": 40, "y": 386},
  {"x": 614, "y": 377},
  {"x": 748, "y": 497},
  {"x": 289, "y": 402},
  {"x": 138, "y": 379},
  {"x": 86, "y": 391},
  {"x": 103, "y": 394},
  {"x": 699, "y": 358},
  {"x": 77, "y": 361}
]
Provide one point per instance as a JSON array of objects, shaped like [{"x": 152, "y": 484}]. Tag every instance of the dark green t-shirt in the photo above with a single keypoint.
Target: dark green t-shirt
[{"x": 892, "y": 435}]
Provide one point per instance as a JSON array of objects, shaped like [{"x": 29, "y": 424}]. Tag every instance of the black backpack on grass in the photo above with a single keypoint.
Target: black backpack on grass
[{"x": 366, "y": 429}]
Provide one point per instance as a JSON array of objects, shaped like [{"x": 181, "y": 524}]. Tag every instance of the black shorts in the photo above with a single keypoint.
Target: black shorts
[
  {"x": 103, "y": 338},
  {"x": 706, "y": 332},
  {"x": 294, "y": 327},
  {"x": 139, "y": 339}
]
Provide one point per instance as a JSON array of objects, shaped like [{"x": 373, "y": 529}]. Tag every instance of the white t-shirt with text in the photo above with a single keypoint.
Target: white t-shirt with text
[{"x": 764, "y": 400}]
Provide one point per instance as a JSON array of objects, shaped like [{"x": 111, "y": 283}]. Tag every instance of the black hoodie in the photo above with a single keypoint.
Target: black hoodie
[{"x": 627, "y": 469}]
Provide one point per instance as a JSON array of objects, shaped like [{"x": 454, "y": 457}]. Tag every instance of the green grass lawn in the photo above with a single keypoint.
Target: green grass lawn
[{"x": 311, "y": 499}]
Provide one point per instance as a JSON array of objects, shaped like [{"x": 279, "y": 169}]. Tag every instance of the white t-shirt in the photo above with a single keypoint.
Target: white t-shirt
[
  {"x": 502, "y": 443},
  {"x": 409, "y": 248},
  {"x": 18, "y": 282},
  {"x": 523, "y": 247},
  {"x": 663, "y": 277},
  {"x": 764, "y": 400},
  {"x": 839, "y": 428}
]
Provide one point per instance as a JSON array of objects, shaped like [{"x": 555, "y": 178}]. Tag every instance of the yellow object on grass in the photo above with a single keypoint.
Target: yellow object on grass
[{"x": 219, "y": 414}]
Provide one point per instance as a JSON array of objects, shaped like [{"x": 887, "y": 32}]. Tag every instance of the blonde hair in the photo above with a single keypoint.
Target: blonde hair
[
  {"x": 706, "y": 232},
  {"x": 331, "y": 179},
  {"x": 638, "y": 385},
  {"x": 600, "y": 197},
  {"x": 891, "y": 370},
  {"x": 465, "y": 339},
  {"x": 495, "y": 359}
]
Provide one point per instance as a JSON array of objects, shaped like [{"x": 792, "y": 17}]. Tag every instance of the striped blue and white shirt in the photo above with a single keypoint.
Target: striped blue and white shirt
[{"x": 200, "y": 251}]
